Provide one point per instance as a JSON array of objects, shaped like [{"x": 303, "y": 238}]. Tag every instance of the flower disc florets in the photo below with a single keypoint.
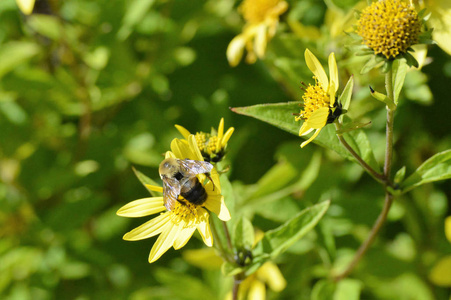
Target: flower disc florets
[
  {"x": 389, "y": 27},
  {"x": 314, "y": 97}
]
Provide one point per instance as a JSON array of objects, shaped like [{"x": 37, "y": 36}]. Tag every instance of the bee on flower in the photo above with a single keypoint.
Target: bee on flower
[
  {"x": 320, "y": 105},
  {"x": 212, "y": 145},
  {"x": 262, "y": 18},
  {"x": 176, "y": 226}
]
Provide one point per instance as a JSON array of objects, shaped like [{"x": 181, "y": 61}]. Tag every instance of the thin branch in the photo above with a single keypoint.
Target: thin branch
[
  {"x": 369, "y": 240},
  {"x": 380, "y": 177}
]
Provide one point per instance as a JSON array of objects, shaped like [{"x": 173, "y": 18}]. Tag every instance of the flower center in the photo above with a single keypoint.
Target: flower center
[
  {"x": 389, "y": 27},
  {"x": 185, "y": 212},
  {"x": 202, "y": 140},
  {"x": 207, "y": 144},
  {"x": 314, "y": 97},
  {"x": 255, "y": 11}
]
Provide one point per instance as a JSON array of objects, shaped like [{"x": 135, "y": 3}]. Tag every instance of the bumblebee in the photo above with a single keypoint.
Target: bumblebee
[{"x": 179, "y": 178}]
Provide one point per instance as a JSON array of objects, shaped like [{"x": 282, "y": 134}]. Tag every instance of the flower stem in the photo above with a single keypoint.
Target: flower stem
[
  {"x": 227, "y": 234},
  {"x": 379, "y": 177},
  {"x": 388, "y": 196},
  {"x": 237, "y": 279},
  {"x": 220, "y": 247}
]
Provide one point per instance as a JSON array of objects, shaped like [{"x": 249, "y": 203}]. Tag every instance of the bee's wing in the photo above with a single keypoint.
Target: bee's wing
[
  {"x": 193, "y": 167},
  {"x": 171, "y": 191}
]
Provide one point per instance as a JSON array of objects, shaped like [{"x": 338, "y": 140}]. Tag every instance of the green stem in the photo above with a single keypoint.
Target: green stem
[
  {"x": 378, "y": 176},
  {"x": 227, "y": 234},
  {"x": 388, "y": 196},
  {"x": 217, "y": 241}
]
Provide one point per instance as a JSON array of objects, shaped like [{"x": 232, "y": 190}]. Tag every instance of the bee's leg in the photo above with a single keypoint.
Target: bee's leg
[{"x": 209, "y": 177}]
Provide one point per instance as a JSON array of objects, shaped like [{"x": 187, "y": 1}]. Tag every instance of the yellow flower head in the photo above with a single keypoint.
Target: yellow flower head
[
  {"x": 389, "y": 27},
  {"x": 26, "y": 6},
  {"x": 320, "y": 107},
  {"x": 176, "y": 227},
  {"x": 262, "y": 17},
  {"x": 212, "y": 145}
]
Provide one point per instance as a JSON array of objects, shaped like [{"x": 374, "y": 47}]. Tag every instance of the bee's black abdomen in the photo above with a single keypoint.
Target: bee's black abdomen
[{"x": 196, "y": 195}]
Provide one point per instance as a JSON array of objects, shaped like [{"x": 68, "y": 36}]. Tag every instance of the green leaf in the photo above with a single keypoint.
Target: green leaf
[
  {"x": 436, "y": 168},
  {"x": 399, "y": 69},
  {"x": 323, "y": 290},
  {"x": 243, "y": 234},
  {"x": 280, "y": 115},
  {"x": 278, "y": 240},
  {"x": 345, "y": 97},
  {"x": 146, "y": 180},
  {"x": 14, "y": 54},
  {"x": 346, "y": 289},
  {"x": 400, "y": 175},
  {"x": 135, "y": 12},
  {"x": 46, "y": 25},
  {"x": 352, "y": 126},
  {"x": 229, "y": 269},
  {"x": 383, "y": 98},
  {"x": 276, "y": 178}
]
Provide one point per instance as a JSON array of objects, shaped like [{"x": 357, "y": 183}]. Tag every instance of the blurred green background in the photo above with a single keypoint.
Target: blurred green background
[{"x": 91, "y": 88}]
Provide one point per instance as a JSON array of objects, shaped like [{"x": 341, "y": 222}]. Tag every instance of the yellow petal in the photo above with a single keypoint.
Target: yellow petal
[
  {"x": 175, "y": 148},
  {"x": 441, "y": 272},
  {"x": 448, "y": 228},
  {"x": 257, "y": 291},
  {"x": 216, "y": 204},
  {"x": 26, "y": 6},
  {"x": 220, "y": 133},
  {"x": 154, "y": 188},
  {"x": 318, "y": 118},
  {"x": 169, "y": 154},
  {"x": 235, "y": 50},
  {"x": 204, "y": 258},
  {"x": 142, "y": 207},
  {"x": 205, "y": 231},
  {"x": 310, "y": 139},
  {"x": 150, "y": 228},
  {"x": 227, "y": 136},
  {"x": 183, "y": 237},
  {"x": 183, "y": 131},
  {"x": 315, "y": 66},
  {"x": 260, "y": 41},
  {"x": 333, "y": 75},
  {"x": 305, "y": 129},
  {"x": 331, "y": 94},
  {"x": 271, "y": 275},
  {"x": 164, "y": 242},
  {"x": 195, "y": 152}
]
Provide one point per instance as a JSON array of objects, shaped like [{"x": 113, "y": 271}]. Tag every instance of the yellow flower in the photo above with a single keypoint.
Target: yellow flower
[
  {"x": 441, "y": 272},
  {"x": 26, "y": 6},
  {"x": 320, "y": 107},
  {"x": 255, "y": 285},
  {"x": 262, "y": 17},
  {"x": 389, "y": 27},
  {"x": 211, "y": 145},
  {"x": 439, "y": 20},
  {"x": 176, "y": 227}
]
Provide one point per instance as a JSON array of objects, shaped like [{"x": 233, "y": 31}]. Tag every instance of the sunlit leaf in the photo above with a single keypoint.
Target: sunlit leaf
[
  {"x": 278, "y": 240},
  {"x": 436, "y": 168}
]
